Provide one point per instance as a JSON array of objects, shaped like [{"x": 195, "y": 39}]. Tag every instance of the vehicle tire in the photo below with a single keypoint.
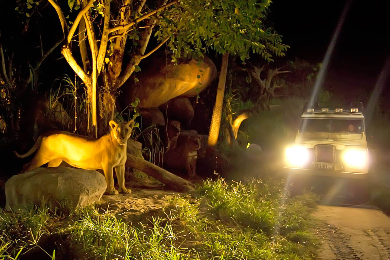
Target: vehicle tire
[{"x": 361, "y": 191}]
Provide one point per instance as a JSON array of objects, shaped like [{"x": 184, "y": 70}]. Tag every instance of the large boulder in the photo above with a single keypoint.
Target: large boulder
[
  {"x": 162, "y": 80},
  {"x": 179, "y": 109},
  {"x": 151, "y": 116},
  {"x": 56, "y": 188}
]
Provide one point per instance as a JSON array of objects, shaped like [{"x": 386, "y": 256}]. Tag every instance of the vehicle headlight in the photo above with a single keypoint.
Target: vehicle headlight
[
  {"x": 297, "y": 156},
  {"x": 356, "y": 158}
]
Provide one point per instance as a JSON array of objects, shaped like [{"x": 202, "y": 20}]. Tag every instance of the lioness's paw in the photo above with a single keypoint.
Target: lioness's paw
[
  {"x": 111, "y": 192},
  {"x": 124, "y": 190}
]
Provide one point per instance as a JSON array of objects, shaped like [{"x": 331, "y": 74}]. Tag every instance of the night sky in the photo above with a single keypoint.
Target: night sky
[{"x": 361, "y": 49}]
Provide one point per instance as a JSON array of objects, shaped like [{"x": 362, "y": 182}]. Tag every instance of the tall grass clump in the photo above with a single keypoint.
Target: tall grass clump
[
  {"x": 21, "y": 232},
  {"x": 247, "y": 221},
  {"x": 108, "y": 237}
]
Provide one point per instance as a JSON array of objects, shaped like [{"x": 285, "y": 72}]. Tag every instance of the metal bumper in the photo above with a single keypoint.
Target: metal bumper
[{"x": 325, "y": 173}]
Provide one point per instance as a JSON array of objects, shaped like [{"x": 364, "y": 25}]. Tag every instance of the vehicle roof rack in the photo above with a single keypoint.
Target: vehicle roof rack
[{"x": 353, "y": 108}]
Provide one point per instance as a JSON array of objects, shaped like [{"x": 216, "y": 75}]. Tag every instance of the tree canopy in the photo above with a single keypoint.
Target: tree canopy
[{"x": 107, "y": 39}]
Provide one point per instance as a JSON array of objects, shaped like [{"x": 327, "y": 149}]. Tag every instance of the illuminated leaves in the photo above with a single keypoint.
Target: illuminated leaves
[
  {"x": 73, "y": 5},
  {"x": 234, "y": 26}
]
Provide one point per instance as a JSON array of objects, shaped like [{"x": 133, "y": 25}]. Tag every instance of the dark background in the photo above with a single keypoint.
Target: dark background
[{"x": 361, "y": 49}]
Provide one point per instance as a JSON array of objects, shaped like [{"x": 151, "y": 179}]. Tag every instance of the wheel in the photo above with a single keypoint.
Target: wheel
[{"x": 361, "y": 191}]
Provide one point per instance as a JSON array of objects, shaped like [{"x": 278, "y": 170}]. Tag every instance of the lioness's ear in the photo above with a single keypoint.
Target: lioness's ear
[
  {"x": 112, "y": 124},
  {"x": 131, "y": 123}
]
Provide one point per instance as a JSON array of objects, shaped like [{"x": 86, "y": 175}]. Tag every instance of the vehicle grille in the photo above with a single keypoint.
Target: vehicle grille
[{"x": 325, "y": 153}]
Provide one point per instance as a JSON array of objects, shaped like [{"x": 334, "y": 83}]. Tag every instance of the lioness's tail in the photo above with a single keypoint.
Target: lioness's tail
[{"x": 32, "y": 150}]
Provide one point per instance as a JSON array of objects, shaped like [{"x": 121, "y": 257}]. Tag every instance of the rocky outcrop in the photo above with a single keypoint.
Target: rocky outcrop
[
  {"x": 179, "y": 109},
  {"x": 164, "y": 80},
  {"x": 56, "y": 188},
  {"x": 151, "y": 116}
]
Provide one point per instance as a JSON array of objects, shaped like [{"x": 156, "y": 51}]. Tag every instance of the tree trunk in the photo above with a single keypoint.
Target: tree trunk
[
  {"x": 170, "y": 180},
  {"x": 217, "y": 111},
  {"x": 237, "y": 123}
]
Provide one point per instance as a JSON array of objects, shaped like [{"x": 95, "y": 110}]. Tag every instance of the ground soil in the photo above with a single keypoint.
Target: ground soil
[
  {"x": 139, "y": 206},
  {"x": 352, "y": 233}
]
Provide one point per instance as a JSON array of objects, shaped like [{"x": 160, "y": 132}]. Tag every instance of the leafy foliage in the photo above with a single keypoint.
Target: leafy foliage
[{"x": 236, "y": 27}]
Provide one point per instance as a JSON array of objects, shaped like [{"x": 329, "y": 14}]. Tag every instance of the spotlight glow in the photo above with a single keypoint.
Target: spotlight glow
[
  {"x": 355, "y": 158},
  {"x": 297, "y": 156}
]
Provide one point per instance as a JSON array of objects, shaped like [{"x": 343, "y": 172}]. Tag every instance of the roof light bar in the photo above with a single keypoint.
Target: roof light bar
[
  {"x": 339, "y": 110},
  {"x": 324, "y": 110},
  {"x": 310, "y": 110},
  {"x": 354, "y": 110}
]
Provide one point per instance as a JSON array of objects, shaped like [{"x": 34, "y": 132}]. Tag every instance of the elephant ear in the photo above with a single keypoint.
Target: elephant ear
[{"x": 112, "y": 124}]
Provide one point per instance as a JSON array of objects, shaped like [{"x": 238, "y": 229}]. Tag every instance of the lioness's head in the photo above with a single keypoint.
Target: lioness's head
[{"x": 122, "y": 131}]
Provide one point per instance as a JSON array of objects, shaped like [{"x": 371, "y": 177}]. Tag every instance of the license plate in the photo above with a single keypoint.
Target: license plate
[{"x": 323, "y": 166}]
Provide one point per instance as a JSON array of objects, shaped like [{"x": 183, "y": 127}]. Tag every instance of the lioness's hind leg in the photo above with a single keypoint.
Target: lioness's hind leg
[
  {"x": 35, "y": 163},
  {"x": 120, "y": 174},
  {"x": 55, "y": 163}
]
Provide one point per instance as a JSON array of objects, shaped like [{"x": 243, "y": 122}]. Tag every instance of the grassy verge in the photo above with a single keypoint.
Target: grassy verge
[
  {"x": 380, "y": 197},
  {"x": 224, "y": 221}
]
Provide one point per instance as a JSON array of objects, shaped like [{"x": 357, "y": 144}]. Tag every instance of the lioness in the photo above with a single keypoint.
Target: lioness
[{"x": 107, "y": 152}]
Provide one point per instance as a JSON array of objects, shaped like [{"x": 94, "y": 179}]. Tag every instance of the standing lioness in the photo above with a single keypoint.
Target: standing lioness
[{"x": 106, "y": 153}]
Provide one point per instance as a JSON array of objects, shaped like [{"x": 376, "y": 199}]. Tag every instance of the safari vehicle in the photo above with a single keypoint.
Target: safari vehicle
[{"x": 331, "y": 142}]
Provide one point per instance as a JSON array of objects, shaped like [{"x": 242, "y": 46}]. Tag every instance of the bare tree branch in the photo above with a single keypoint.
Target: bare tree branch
[
  {"x": 61, "y": 16},
  {"x": 66, "y": 52},
  {"x": 45, "y": 55},
  {"x": 77, "y": 20},
  {"x": 135, "y": 60},
  {"x": 256, "y": 74},
  {"x": 141, "y": 6},
  {"x": 83, "y": 47},
  {"x": 237, "y": 122},
  {"x": 93, "y": 47},
  {"x": 4, "y": 70},
  {"x": 127, "y": 26},
  {"x": 155, "y": 49},
  {"x": 104, "y": 39},
  {"x": 272, "y": 73},
  {"x": 10, "y": 68},
  {"x": 73, "y": 64}
]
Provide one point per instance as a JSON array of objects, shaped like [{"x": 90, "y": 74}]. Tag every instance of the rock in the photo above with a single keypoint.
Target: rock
[
  {"x": 44, "y": 116},
  {"x": 163, "y": 80},
  {"x": 134, "y": 147},
  {"x": 151, "y": 116},
  {"x": 170, "y": 133},
  {"x": 55, "y": 188},
  {"x": 179, "y": 109},
  {"x": 254, "y": 151}
]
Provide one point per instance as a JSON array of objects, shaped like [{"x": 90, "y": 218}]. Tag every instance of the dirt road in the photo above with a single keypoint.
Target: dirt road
[{"x": 353, "y": 233}]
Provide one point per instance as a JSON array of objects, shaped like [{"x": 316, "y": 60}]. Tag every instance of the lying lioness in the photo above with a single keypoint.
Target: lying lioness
[{"x": 107, "y": 152}]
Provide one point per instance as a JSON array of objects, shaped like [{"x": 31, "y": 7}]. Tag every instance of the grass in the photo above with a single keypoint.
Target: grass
[
  {"x": 22, "y": 232},
  {"x": 224, "y": 221}
]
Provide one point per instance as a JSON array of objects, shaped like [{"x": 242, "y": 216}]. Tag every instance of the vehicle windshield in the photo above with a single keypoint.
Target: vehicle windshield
[{"x": 334, "y": 125}]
